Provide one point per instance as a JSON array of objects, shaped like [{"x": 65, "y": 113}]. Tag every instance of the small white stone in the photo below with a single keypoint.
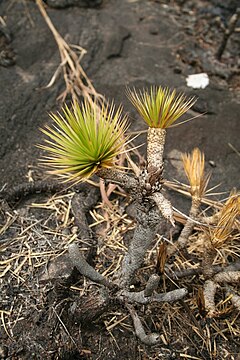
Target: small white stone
[{"x": 198, "y": 81}]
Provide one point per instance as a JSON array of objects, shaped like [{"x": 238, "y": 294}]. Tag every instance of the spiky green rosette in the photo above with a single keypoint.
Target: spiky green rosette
[
  {"x": 83, "y": 140},
  {"x": 160, "y": 108}
]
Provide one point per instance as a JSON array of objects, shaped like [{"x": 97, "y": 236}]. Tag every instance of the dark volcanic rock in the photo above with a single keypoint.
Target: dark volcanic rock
[
  {"x": 128, "y": 44},
  {"x": 60, "y": 4}
]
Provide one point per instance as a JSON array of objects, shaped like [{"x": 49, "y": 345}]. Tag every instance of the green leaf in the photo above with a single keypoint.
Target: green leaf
[
  {"x": 83, "y": 139},
  {"x": 161, "y": 107}
]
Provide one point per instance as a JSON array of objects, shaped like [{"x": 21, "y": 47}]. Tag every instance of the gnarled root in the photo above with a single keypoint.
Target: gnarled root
[
  {"x": 85, "y": 269},
  {"x": 140, "y": 298},
  {"x": 209, "y": 292},
  {"x": 148, "y": 339}
]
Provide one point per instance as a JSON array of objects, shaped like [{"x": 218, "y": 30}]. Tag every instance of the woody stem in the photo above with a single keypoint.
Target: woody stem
[{"x": 155, "y": 147}]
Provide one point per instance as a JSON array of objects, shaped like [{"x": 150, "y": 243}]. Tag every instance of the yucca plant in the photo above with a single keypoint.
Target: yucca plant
[{"x": 84, "y": 140}]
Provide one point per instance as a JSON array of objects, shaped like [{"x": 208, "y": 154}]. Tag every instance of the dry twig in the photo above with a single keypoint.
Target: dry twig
[{"x": 76, "y": 81}]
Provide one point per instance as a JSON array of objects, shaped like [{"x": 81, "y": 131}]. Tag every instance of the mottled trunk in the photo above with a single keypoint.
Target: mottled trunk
[
  {"x": 117, "y": 177},
  {"x": 155, "y": 147},
  {"x": 164, "y": 206},
  {"x": 143, "y": 237}
]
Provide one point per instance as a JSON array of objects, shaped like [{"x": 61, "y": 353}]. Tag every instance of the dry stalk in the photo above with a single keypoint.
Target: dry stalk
[
  {"x": 74, "y": 76},
  {"x": 228, "y": 32},
  {"x": 194, "y": 169}
]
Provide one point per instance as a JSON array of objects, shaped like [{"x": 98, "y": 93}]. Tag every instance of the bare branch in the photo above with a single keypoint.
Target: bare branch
[
  {"x": 187, "y": 230},
  {"x": 209, "y": 291},
  {"x": 139, "y": 297},
  {"x": 152, "y": 285},
  {"x": 85, "y": 269},
  {"x": 227, "y": 277},
  {"x": 119, "y": 177},
  {"x": 150, "y": 339}
]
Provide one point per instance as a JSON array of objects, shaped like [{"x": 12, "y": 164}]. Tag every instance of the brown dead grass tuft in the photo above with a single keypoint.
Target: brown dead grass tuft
[{"x": 76, "y": 80}]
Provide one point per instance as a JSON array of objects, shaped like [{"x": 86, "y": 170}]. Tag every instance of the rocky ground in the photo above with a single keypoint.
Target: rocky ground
[{"x": 129, "y": 43}]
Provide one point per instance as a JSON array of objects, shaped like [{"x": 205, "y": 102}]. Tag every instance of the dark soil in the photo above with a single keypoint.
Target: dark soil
[{"x": 128, "y": 43}]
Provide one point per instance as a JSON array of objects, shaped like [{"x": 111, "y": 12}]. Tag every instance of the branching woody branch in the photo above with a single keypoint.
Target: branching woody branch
[
  {"x": 146, "y": 296},
  {"x": 179, "y": 274}
]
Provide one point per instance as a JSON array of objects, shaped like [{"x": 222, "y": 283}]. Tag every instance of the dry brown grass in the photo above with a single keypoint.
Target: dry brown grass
[
  {"x": 76, "y": 80},
  {"x": 38, "y": 241},
  {"x": 194, "y": 165}
]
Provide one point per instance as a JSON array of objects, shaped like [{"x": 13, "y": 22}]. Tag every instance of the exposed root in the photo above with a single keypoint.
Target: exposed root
[
  {"x": 85, "y": 269},
  {"x": 152, "y": 285},
  {"x": 209, "y": 292},
  {"x": 148, "y": 339},
  {"x": 140, "y": 298}
]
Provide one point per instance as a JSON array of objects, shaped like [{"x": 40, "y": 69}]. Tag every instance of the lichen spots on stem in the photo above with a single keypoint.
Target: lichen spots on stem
[{"x": 155, "y": 147}]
